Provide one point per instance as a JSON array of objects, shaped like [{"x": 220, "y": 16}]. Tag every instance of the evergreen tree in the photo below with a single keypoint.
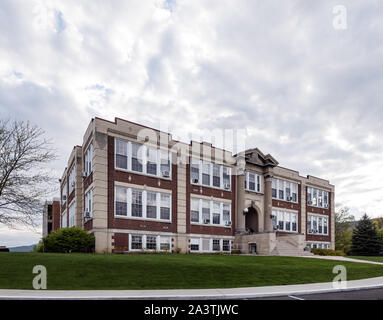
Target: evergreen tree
[{"x": 365, "y": 238}]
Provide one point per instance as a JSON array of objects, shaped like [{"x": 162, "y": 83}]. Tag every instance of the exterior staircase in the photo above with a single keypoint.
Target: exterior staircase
[{"x": 285, "y": 246}]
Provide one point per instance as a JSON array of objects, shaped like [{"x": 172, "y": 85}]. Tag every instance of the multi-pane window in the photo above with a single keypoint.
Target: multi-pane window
[
  {"x": 210, "y": 174},
  {"x": 165, "y": 207},
  {"x": 63, "y": 194},
  {"x": 317, "y": 198},
  {"x": 252, "y": 181},
  {"x": 206, "y": 211},
  {"x": 194, "y": 210},
  {"x": 136, "y": 203},
  {"x": 121, "y": 203},
  {"x": 216, "y": 175},
  {"x": 216, "y": 213},
  {"x": 72, "y": 178},
  {"x": 64, "y": 220},
  {"x": 89, "y": 159},
  {"x": 151, "y": 205},
  {"x": 285, "y": 220},
  {"x": 89, "y": 204},
  {"x": 140, "y": 158},
  {"x": 151, "y": 161},
  {"x": 143, "y": 204},
  {"x": 151, "y": 242},
  {"x": 121, "y": 154},
  {"x": 71, "y": 213},
  {"x": 209, "y": 245},
  {"x": 319, "y": 245},
  {"x": 210, "y": 212},
  {"x": 284, "y": 190},
  {"x": 136, "y": 242},
  {"x": 317, "y": 224},
  {"x": 206, "y": 173}
]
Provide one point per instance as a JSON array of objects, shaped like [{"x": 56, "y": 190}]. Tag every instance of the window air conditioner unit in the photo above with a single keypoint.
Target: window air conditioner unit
[
  {"x": 227, "y": 186},
  {"x": 206, "y": 221},
  {"x": 73, "y": 184},
  {"x": 86, "y": 215},
  {"x": 310, "y": 203},
  {"x": 165, "y": 174},
  {"x": 228, "y": 223},
  {"x": 276, "y": 227},
  {"x": 195, "y": 180},
  {"x": 84, "y": 174},
  {"x": 64, "y": 197}
]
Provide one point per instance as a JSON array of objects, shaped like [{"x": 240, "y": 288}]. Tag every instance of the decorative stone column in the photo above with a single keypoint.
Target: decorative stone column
[
  {"x": 240, "y": 193},
  {"x": 268, "y": 201}
]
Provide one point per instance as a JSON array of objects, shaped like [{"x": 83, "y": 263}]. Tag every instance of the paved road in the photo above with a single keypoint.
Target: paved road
[{"x": 365, "y": 294}]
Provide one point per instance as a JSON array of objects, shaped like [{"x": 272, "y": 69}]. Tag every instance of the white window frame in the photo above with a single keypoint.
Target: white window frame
[
  {"x": 194, "y": 162},
  {"x": 285, "y": 216},
  {"x": 89, "y": 203},
  {"x": 211, "y": 207},
  {"x": 257, "y": 178},
  {"x": 144, "y": 237},
  {"x": 281, "y": 185},
  {"x": 64, "y": 219},
  {"x": 72, "y": 215},
  {"x": 72, "y": 179},
  {"x": 325, "y": 195},
  {"x": 89, "y": 159},
  {"x": 144, "y": 203},
  {"x": 143, "y": 149},
  {"x": 64, "y": 193},
  {"x": 199, "y": 241},
  {"x": 310, "y": 224}
]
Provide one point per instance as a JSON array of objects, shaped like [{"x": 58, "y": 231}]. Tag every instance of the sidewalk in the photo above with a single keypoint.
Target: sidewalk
[{"x": 194, "y": 294}]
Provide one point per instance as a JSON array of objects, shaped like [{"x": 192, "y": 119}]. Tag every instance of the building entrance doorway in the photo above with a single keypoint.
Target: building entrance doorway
[{"x": 253, "y": 248}]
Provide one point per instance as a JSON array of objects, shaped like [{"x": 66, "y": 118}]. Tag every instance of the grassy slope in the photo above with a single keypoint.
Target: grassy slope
[
  {"x": 77, "y": 271},
  {"x": 377, "y": 259}
]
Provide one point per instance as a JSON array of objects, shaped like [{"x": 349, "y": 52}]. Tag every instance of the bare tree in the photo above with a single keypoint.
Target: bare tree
[{"x": 24, "y": 181}]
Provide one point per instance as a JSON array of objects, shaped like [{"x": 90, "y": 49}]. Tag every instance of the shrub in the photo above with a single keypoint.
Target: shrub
[
  {"x": 327, "y": 252},
  {"x": 67, "y": 240},
  {"x": 236, "y": 251}
]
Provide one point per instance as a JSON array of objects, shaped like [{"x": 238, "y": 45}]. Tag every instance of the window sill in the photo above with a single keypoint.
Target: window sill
[
  {"x": 142, "y": 219},
  {"x": 144, "y": 174},
  {"x": 293, "y": 202},
  {"x": 323, "y": 208},
  {"x": 210, "y": 225},
  {"x": 254, "y": 191}
]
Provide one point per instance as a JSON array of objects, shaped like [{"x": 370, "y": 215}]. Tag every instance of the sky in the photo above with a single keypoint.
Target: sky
[{"x": 303, "y": 78}]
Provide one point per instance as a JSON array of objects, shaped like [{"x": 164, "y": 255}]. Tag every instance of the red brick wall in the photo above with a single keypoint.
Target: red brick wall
[{"x": 55, "y": 215}]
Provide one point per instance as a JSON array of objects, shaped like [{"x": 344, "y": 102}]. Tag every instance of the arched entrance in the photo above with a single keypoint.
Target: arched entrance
[{"x": 251, "y": 220}]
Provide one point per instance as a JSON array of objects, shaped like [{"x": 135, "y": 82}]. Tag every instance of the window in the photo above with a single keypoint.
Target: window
[
  {"x": 121, "y": 205},
  {"x": 137, "y": 157},
  {"x": 210, "y": 212},
  {"x": 165, "y": 163},
  {"x": 136, "y": 203},
  {"x": 121, "y": 154},
  {"x": 285, "y": 220},
  {"x": 284, "y": 190},
  {"x": 216, "y": 176},
  {"x": 206, "y": 174},
  {"x": 71, "y": 212},
  {"x": 89, "y": 204},
  {"x": 226, "y": 213},
  {"x": 136, "y": 242},
  {"x": 151, "y": 242},
  {"x": 165, "y": 207},
  {"x": 216, "y": 213},
  {"x": 64, "y": 220},
  {"x": 151, "y": 161},
  {"x": 63, "y": 194},
  {"x": 216, "y": 245},
  {"x": 210, "y": 174},
  {"x": 143, "y": 159},
  {"x": 225, "y": 245},
  {"x": 205, "y": 244},
  {"x": 226, "y": 175},
  {"x": 274, "y": 188},
  {"x": 194, "y": 213},
  {"x": 205, "y": 211},
  {"x": 89, "y": 159},
  {"x": 317, "y": 198},
  {"x": 317, "y": 225},
  {"x": 194, "y": 244},
  {"x": 72, "y": 177},
  {"x": 252, "y": 182},
  {"x": 151, "y": 205},
  {"x": 165, "y": 243}
]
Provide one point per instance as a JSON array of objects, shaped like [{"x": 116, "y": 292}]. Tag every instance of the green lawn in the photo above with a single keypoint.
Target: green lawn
[
  {"x": 377, "y": 259},
  {"x": 172, "y": 271}
]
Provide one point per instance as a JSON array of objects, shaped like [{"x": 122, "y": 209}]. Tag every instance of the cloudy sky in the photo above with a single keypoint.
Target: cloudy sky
[{"x": 304, "y": 78}]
